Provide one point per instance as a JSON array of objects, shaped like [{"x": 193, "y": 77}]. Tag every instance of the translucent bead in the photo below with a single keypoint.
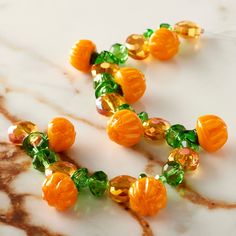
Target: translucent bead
[
  {"x": 173, "y": 172},
  {"x": 59, "y": 191},
  {"x": 19, "y": 130},
  {"x": 147, "y": 196},
  {"x": 61, "y": 166},
  {"x": 188, "y": 158},
  {"x": 148, "y": 33},
  {"x": 119, "y": 188},
  {"x": 212, "y": 132},
  {"x": 120, "y": 52},
  {"x": 155, "y": 128},
  {"x": 108, "y": 104},
  {"x": 80, "y": 178},
  {"x": 34, "y": 142},
  {"x": 132, "y": 82},
  {"x": 138, "y": 47},
  {"x": 143, "y": 116},
  {"x": 125, "y": 128},
  {"x": 106, "y": 87},
  {"x": 188, "y": 29},
  {"x": 98, "y": 183},
  {"x": 106, "y": 56},
  {"x": 104, "y": 67}
]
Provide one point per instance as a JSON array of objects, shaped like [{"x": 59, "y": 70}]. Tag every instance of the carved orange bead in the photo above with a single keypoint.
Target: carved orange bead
[
  {"x": 132, "y": 82},
  {"x": 81, "y": 54},
  {"x": 147, "y": 196},
  {"x": 125, "y": 128},
  {"x": 212, "y": 132},
  {"x": 61, "y": 134},
  {"x": 164, "y": 44},
  {"x": 59, "y": 191}
]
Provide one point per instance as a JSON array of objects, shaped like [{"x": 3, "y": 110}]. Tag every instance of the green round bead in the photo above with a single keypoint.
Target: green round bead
[
  {"x": 125, "y": 106},
  {"x": 173, "y": 173},
  {"x": 98, "y": 183},
  {"x": 120, "y": 52},
  {"x": 34, "y": 142},
  {"x": 148, "y": 33},
  {"x": 106, "y": 56},
  {"x": 80, "y": 178},
  {"x": 100, "y": 78},
  {"x": 106, "y": 87},
  {"x": 143, "y": 116},
  {"x": 174, "y": 135},
  {"x": 142, "y": 175},
  {"x": 43, "y": 158}
]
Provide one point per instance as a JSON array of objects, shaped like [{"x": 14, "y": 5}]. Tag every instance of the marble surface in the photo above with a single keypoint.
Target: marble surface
[{"x": 37, "y": 83}]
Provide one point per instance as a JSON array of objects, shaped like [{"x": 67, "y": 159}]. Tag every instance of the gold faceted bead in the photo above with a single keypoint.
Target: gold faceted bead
[
  {"x": 20, "y": 130},
  {"x": 104, "y": 67},
  {"x": 188, "y": 158},
  {"x": 62, "y": 167},
  {"x": 107, "y": 104},
  {"x": 188, "y": 29},
  {"x": 137, "y": 46},
  {"x": 119, "y": 188},
  {"x": 155, "y": 128}
]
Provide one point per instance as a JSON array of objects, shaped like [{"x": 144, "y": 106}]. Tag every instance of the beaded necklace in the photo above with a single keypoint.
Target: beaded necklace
[{"x": 115, "y": 89}]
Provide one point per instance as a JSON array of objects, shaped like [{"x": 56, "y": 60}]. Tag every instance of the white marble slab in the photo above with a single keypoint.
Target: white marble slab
[{"x": 37, "y": 83}]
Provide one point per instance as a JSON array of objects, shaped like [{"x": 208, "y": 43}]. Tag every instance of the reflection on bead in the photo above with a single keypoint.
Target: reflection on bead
[
  {"x": 188, "y": 29},
  {"x": 120, "y": 52},
  {"x": 132, "y": 82},
  {"x": 164, "y": 44},
  {"x": 138, "y": 47},
  {"x": 119, "y": 188},
  {"x": 155, "y": 128},
  {"x": 212, "y": 132},
  {"x": 108, "y": 104},
  {"x": 188, "y": 158},
  {"x": 125, "y": 128},
  {"x": 61, "y": 166},
  {"x": 104, "y": 67},
  {"x": 19, "y": 130},
  {"x": 147, "y": 196}
]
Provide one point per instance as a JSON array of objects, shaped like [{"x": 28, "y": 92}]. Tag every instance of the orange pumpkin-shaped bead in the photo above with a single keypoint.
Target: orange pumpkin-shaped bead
[
  {"x": 132, "y": 82},
  {"x": 81, "y": 54},
  {"x": 125, "y": 128},
  {"x": 147, "y": 196},
  {"x": 61, "y": 134},
  {"x": 164, "y": 44},
  {"x": 212, "y": 132},
  {"x": 59, "y": 191}
]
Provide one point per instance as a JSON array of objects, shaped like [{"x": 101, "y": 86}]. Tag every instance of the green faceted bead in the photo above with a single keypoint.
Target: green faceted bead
[
  {"x": 175, "y": 136},
  {"x": 148, "y": 33},
  {"x": 98, "y": 183},
  {"x": 106, "y": 87},
  {"x": 143, "y": 116},
  {"x": 93, "y": 58},
  {"x": 191, "y": 139},
  {"x": 120, "y": 52},
  {"x": 43, "y": 158},
  {"x": 106, "y": 56},
  {"x": 173, "y": 172},
  {"x": 142, "y": 175},
  {"x": 125, "y": 106},
  {"x": 34, "y": 142},
  {"x": 165, "y": 25},
  {"x": 100, "y": 78},
  {"x": 80, "y": 178}
]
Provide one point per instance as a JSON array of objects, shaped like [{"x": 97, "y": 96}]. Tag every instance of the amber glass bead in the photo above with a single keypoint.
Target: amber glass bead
[
  {"x": 107, "y": 104},
  {"x": 59, "y": 191},
  {"x": 61, "y": 134},
  {"x": 164, "y": 44},
  {"x": 188, "y": 29},
  {"x": 155, "y": 128},
  {"x": 119, "y": 188},
  {"x": 212, "y": 132},
  {"x": 20, "y": 130},
  {"x": 147, "y": 196},
  {"x": 81, "y": 54},
  {"x": 187, "y": 157},
  {"x": 125, "y": 128},
  {"x": 138, "y": 47},
  {"x": 104, "y": 67},
  {"x": 132, "y": 82},
  {"x": 62, "y": 167}
]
